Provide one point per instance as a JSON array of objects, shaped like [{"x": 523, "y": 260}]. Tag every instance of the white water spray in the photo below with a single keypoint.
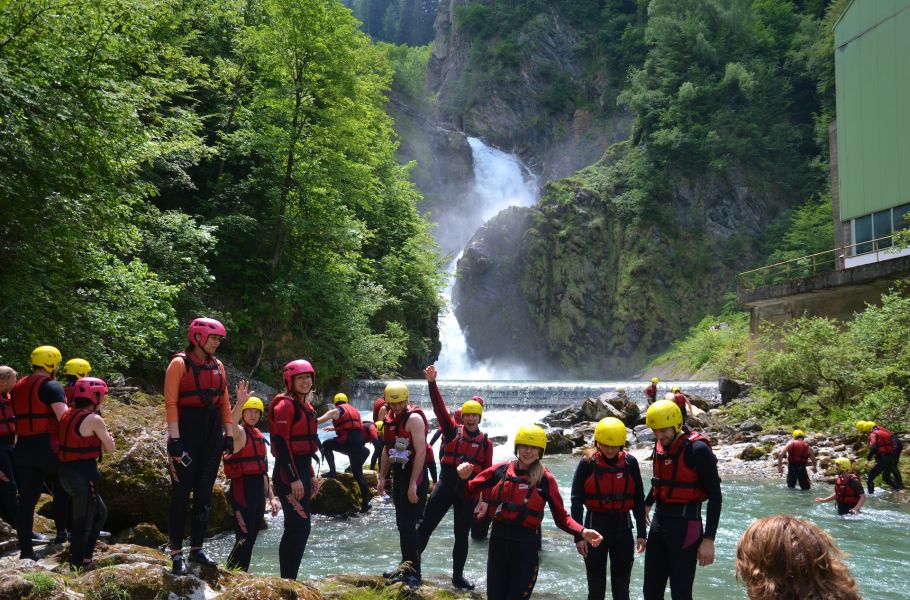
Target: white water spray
[{"x": 500, "y": 181}]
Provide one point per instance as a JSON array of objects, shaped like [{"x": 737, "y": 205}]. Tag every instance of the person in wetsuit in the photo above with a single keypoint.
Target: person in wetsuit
[
  {"x": 348, "y": 428},
  {"x": 8, "y": 489},
  {"x": 798, "y": 454},
  {"x": 685, "y": 475},
  {"x": 848, "y": 491},
  {"x": 463, "y": 443},
  {"x": 608, "y": 483},
  {"x": 885, "y": 448}
]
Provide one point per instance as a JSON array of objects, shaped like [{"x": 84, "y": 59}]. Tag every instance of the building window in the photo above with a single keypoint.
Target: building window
[
  {"x": 862, "y": 232},
  {"x": 900, "y": 212},
  {"x": 881, "y": 228}
]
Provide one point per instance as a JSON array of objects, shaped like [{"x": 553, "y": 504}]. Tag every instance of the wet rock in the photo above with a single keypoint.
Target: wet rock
[
  {"x": 337, "y": 497},
  {"x": 271, "y": 587},
  {"x": 632, "y": 414},
  {"x": 695, "y": 423},
  {"x": 752, "y": 453},
  {"x": 499, "y": 440},
  {"x": 569, "y": 414},
  {"x": 731, "y": 388},
  {"x": 596, "y": 409},
  {"x": 7, "y": 538},
  {"x": 143, "y": 534},
  {"x": 750, "y": 425},
  {"x": 643, "y": 434},
  {"x": 558, "y": 443},
  {"x": 702, "y": 402}
]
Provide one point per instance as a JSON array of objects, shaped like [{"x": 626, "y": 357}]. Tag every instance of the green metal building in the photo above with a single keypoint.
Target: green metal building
[{"x": 871, "y": 137}]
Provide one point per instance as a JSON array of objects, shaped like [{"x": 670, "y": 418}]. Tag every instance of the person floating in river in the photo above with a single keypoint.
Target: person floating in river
[
  {"x": 200, "y": 428},
  {"x": 685, "y": 475},
  {"x": 785, "y": 558},
  {"x": 349, "y": 432},
  {"x": 608, "y": 484},
  {"x": 461, "y": 443},
  {"x": 848, "y": 489},
  {"x": 798, "y": 454},
  {"x": 517, "y": 493},
  {"x": 247, "y": 469},
  {"x": 293, "y": 429},
  {"x": 886, "y": 448}
]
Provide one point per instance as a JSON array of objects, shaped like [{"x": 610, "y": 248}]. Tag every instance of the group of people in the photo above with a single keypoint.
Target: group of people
[
  {"x": 48, "y": 432},
  {"x": 51, "y": 437}
]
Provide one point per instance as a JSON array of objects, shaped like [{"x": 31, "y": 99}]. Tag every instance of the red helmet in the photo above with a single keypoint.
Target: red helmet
[
  {"x": 296, "y": 367},
  {"x": 90, "y": 388},
  {"x": 477, "y": 399},
  {"x": 206, "y": 327},
  {"x": 456, "y": 416}
]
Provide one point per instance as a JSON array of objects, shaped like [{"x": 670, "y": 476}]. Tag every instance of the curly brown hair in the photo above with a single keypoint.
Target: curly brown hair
[{"x": 785, "y": 558}]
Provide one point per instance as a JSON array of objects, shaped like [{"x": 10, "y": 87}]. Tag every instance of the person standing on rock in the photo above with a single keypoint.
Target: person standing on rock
[
  {"x": 461, "y": 444},
  {"x": 886, "y": 449},
  {"x": 293, "y": 429},
  {"x": 405, "y": 450},
  {"x": 73, "y": 370},
  {"x": 39, "y": 402},
  {"x": 83, "y": 436},
  {"x": 518, "y": 492},
  {"x": 608, "y": 483},
  {"x": 682, "y": 401},
  {"x": 848, "y": 489},
  {"x": 348, "y": 428},
  {"x": 247, "y": 470},
  {"x": 200, "y": 428},
  {"x": 685, "y": 475},
  {"x": 651, "y": 391},
  {"x": 7, "y": 445},
  {"x": 798, "y": 454}
]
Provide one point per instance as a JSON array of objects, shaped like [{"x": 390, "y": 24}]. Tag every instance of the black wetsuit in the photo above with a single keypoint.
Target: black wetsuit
[
  {"x": 676, "y": 531},
  {"x": 7, "y": 471},
  {"x": 616, "y": 529},
  {"x": 247, "y": 497},
  {"x": 297, "y": 524},
  {"x": 886, "y": 466},
  {"x": 80, "y": 480},
  {"x": 353, "y": 448},
  {"x": 35, "y": 462}
]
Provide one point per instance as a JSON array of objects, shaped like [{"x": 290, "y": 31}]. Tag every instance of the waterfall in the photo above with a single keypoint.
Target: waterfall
[{"x": 500, "y": 181}]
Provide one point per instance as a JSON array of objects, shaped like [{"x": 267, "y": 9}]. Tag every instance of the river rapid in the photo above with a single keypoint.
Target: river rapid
[{"x": 875, "y": 540}]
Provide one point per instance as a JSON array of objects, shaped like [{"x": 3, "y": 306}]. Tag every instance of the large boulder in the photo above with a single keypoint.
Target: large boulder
[
  {"x": 143, "y": 534},
  {"x": 731, "y": 388},
  {"x": 337, "y": 497},
  {"x": 596, "y": 409},
  {"x": 558, "y": 443}
]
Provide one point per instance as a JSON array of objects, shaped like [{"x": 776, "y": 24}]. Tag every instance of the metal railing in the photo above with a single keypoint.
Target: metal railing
[{"x": 811, "y": 265}]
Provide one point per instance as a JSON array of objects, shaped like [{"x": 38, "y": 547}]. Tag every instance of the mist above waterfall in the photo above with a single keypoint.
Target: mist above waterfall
[{"x": 500, "y": 181}]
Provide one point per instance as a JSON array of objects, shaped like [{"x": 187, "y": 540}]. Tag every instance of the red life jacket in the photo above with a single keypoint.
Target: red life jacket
[
  {"x": 304, "y": 441},
  {"x": 348, "y": 421},
  {"x": 250, "y": 460},
  {"x": 202, "y": 385},
  {"x": 73, "y": 445},
  {"x": 33, "y": 417},
  {"x": 465, "y": 449},
  {"x": 843, "y": 490},
  {"x": 651, "y": 391},
  {"x": 674, "y": 481},
  {"x": 517, "y": 502},
  {"x": 68, "y": 390},
  {"x": 378, "y": 404},
  {"x": 610, "y": 487},
  {"x": 883, "y": 440},
  {"x": 395, "y": 428},
  {"x": 370, "y": 434},
  {"x": 798, "y": 454},
  {"x": 7, "y": 417},
  {"x": 680, "y": 399}
]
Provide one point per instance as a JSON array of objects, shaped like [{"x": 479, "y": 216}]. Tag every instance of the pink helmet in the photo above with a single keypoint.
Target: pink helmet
[
  {"x": 90, "y": 388},
  {"x": 206, "y": 327},
  {"x": 477, "y": 399},
  {"x": 456, "y": 416},
  {"x": 296, "y": 367}
]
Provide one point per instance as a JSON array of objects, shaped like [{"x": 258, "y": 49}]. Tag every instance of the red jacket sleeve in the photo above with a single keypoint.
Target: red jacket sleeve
[
  {"x": 446, "y": 422},
  {"x": 484, "y": 480}
]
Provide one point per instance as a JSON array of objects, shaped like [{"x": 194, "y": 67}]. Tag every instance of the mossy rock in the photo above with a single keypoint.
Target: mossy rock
[
  {"x": 752, "y": 453},
  {"x": 268, "y": 588},
  {"x": 337, "y": 497},
  {"x": 137, "y": 581},
  {"x": 143, "y": 534}
]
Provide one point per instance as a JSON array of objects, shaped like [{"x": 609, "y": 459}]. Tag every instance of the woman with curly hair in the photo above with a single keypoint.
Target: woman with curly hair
[{"x": 785, "y": 558}]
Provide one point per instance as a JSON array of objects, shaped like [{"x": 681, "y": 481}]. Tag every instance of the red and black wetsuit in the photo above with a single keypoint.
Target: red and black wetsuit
[
  {"x": 612, "y": 491},
  {"x": 349, "y": 441},
  {"x": 518, "y": 508},
  {"x": 847, "y": 491},
  {"x": 7, "y": 472},
  {"x": 886, "y": 448},
  {"x": 797, "y": 459},
  {"x": 651, "y": 393},
  {"x": 684, "y": 476},
  {"x": 458, "y": 446},
  {"x": 247, "y": 469},
  {"x": 35, "y": 454}
]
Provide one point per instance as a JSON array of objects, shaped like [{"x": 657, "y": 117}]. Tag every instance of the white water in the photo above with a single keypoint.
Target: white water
[{"x": 500, "y": 181}]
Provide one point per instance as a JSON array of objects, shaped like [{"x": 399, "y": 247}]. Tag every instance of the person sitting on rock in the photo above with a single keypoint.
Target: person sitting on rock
[
  {"x": 348, "y": 428},
  {"x": 82, "y": 437},
  {"x": 798, "y": 454},
  {"x": 886, "y": 449},
  {"x": 785, "y": 558},
  {"x": 848, "y": 489},
  {"x": 247, "y": 470},
  {"x": 461, "y": 444},
  {"x": 651, "y": 391}
]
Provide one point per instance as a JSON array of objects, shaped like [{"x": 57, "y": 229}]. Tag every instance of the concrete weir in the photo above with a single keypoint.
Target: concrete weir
[{"x": 838, "y": 295}]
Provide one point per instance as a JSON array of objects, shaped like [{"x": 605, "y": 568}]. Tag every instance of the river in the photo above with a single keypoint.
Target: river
[{"x": 875, "y": 540}]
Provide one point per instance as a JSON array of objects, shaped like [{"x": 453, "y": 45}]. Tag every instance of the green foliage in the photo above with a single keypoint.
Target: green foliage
[
  {"x": 108, "y": 590},
  {"x": 44, "y": 584},
  {"x": 396, "y": 21},
  {"x": 409, "y": 65}
]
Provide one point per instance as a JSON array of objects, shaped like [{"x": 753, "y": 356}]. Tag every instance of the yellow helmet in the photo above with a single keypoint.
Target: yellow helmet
[
  {"x": 860, "y": 425},
  {"x": 655, "y": 380},
  {"x": 46, "y": 357},
  {"x": 255, "y": 403},
  {"x": 610, "y": 431},
  {"x": 842, "y": 463},
  {"x": 798, "y": 433},
  {"x": 663, "y": 414},
  {"x": 339, "y": 398},
  {"x": 472, "y": 407},
  {"x": 869, "y": 425},
  {"x": 78, "y": 367},
  {"x": 379, "y": 426},
  {"x": 675, "y": 389},
  {"x": 531, "y": 435},
  {"x": 396, "y": 392}
]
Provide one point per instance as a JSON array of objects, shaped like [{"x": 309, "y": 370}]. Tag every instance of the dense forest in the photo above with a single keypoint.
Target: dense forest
[
  {"x": 396, "y": 21},
  {"x": 162, "y": 159}
]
